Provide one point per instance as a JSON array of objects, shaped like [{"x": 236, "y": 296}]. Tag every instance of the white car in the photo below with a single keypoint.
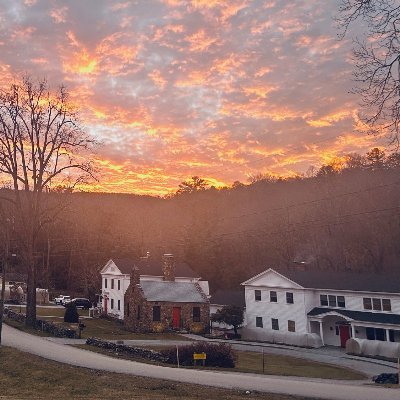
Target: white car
[{"x": 62, "y": 299}]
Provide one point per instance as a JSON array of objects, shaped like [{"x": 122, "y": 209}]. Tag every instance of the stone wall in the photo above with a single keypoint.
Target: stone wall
[{"x": 136, "y": 304}]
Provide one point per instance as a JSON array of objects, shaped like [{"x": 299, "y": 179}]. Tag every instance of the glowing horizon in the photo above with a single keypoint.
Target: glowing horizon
[{"x": 174, "y": 89}]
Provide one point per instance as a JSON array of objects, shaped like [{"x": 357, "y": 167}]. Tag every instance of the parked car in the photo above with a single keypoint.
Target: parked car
[
  {"x": 62, "y": 299},
  {"x": 81, "y": 303}
]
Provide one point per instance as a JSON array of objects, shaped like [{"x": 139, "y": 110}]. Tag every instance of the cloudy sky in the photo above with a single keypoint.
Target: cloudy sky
[{"x": 172, "y": 88}]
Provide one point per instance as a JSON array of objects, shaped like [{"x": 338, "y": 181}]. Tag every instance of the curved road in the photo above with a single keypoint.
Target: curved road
[{"x": 333, "y": 390}]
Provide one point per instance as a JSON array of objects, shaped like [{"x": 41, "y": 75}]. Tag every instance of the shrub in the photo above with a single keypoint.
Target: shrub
[
  {"x": 158, "y": 327},
  {"x": 197, "y": 327},
  {"x": 218, "y": 355},
  {"x": 71, "y": 314}
]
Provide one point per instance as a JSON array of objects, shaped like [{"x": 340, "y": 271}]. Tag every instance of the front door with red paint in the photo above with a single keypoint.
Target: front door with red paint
[
  {"x": 176, "y": 317},
  {"x": 344, "y": 331}
]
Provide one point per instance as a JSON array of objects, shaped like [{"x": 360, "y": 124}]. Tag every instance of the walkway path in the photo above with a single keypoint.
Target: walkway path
[{"x": 333, "y": 390}]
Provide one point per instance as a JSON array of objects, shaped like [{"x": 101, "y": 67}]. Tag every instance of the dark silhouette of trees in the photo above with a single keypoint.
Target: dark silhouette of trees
[
  {"x": 41, "y": 145},
  {"x": 375, "y": 158},
  {"x": 193, "y": 185},
  {"x": 377, "y": 62}
]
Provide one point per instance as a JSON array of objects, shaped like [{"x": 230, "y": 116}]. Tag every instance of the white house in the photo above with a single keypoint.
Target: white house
[
  {"x": 333, "y": 306},
  {"x": 115, "y": 278}
]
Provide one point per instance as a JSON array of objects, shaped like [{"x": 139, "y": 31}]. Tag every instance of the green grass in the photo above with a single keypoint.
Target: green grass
[
  {"x": 292, "y": 366},
  {"x": 95, "y": 327},
  {"x": 25, "y": 376},
  {"x": 251, "y": 362}
]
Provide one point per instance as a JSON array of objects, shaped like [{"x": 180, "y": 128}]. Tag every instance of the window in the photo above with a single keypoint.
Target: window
[
  {"x": 112, "y": 304},
  {"x": 376, "y": 304},
  {"x": 332, "y": 301},
  {"x": 291, "y": 326},
  {"x": 138, "y": 312},
  {"x": 156, "y": 313},
  {"x": 112, "y": 283},
  {"x": 257, "y": 295},
  {"x": 386, "y": 306},
  {"x": 119, "y": 305},
  {"x": 196, "y": 314},
  {"x": 259, "y": 322},
  {"x": 289, "y": 298},
  {"x": 323, "y": 299},
  {"x": 105, "y": 283},
  {"x": 119, "y": 284},
  {"x": 273, "y": 297},
  {"x": 341, "y": 302},
  {"x": 367, "y": 303},
  {"x": 275, "y": 324},
  {"x": 376, "y": 334}
]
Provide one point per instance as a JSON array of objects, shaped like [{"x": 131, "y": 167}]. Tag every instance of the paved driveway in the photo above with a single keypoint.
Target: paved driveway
[{"x": 334, "y": 390}]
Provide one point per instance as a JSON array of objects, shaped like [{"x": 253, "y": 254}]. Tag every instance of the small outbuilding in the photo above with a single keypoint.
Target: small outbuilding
[{"x": 158, "y": 306}]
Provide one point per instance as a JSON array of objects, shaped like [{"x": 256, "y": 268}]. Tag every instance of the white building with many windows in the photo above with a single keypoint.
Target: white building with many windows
[
  {"x": 115, "y": 278},
  {"x": 322, "y": 307}
]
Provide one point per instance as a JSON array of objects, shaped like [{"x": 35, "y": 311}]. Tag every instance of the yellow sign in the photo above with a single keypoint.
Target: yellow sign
[{"x": 199, "y": 356}]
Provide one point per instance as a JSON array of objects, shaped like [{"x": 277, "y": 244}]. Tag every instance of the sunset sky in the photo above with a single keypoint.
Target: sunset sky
[{"x": 173, "y": 89}]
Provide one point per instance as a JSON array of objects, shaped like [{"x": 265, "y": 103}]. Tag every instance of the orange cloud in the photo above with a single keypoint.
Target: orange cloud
[
  {"x": 199, "y": 41},
  {"x": 330, "y": 119}
]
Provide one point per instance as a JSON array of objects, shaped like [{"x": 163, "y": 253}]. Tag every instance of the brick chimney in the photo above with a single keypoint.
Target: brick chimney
[
  {"x": 135, "y": 276},
  {"x": 168, "y": 267}
]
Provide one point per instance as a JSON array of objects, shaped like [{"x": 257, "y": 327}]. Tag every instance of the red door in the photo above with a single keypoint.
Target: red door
[
  {"x": 344, "y": 331},
  {"x": 176, "y": 317}
]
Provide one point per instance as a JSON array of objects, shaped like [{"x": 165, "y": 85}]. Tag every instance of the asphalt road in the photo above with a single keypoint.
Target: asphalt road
[{"x": 334, "y": 390}]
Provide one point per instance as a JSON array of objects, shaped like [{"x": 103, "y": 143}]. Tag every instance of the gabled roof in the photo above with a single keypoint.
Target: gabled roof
[
  {"x": 228, "y": 298},
  {"x": 343, "y": 280},
  {"x": 125, "y": 265},
  {"x": 150, "y": 267},
  {"x": 338, "y": 280},
  {"x": 154, "y": 268},
  {"x": 360, "y": 316},
  {"x": 176, "y": 292},
  {"x": 271, "y": 271}
]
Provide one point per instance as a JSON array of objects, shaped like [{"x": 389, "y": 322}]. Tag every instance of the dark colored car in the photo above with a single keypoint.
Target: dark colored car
[{"x": 81, "y": 303}]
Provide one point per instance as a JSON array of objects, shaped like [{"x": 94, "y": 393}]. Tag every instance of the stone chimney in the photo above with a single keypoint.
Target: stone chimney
[
  {"x": 135, "y": 276},
  {"x": 169, "y": 267}
]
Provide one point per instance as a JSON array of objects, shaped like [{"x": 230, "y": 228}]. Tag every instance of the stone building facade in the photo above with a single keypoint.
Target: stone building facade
[{"x": 158, "y": 306}]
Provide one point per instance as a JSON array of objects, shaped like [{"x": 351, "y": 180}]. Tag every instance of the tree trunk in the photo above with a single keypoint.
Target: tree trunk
[
  {"x": 3, "y": 290},
  {"x": 31, "y": 296}
]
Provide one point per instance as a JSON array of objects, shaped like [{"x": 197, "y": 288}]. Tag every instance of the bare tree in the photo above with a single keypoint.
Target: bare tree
[
  {"x": 377, "y": 66},
  {"x": 41, "y": 144}
]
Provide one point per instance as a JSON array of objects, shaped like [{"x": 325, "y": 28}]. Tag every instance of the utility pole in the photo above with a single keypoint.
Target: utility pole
[{"x": 3, "y": 281}]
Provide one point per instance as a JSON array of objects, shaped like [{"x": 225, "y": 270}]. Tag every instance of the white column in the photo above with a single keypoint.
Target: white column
[
  {"x": 321, "y": 333},
  {"x": 387, "y": 335},
  {"x": 353, "y": 331}
]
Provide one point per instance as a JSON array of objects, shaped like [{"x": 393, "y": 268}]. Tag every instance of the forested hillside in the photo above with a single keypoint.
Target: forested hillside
[{"x": 337, "y": 219}]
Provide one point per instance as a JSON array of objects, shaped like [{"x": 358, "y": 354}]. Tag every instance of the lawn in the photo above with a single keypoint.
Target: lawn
[
  {"x": 25, "y": 376},
  {"x": 252, "y": 362},
  {"x": 95, "y": 327}
]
